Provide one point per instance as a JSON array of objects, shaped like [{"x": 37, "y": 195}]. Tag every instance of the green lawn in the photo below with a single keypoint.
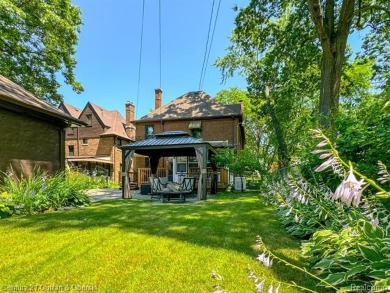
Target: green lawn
[{"x": 143, "y": 246}]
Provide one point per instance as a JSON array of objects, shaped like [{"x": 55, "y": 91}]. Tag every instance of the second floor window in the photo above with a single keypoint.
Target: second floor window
[
  {"x": 196, "y": 133},
  {"x": 85, "y": 141},
  {"x": 196, "y": 129},
  {"x": 89, "y": 119},
  {"x": 71, "y": 150},
  {"x": 149, "y": 131}
]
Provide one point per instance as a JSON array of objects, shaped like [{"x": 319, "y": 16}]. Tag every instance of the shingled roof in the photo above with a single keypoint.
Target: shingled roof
[
  {"x": 14, "y": 94},
  {"x": 193, "y": 105},
  {"x": 71, "y": 110},
  {"x": 112, "y": 120}
]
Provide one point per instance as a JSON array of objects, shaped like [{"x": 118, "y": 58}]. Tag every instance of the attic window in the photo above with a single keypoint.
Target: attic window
[
  {"x": 195, "y": 125},
  {"x": 149, "y": 131},
  {"x": 89, "y": 119},
  {"x": 196, "y": 129}
]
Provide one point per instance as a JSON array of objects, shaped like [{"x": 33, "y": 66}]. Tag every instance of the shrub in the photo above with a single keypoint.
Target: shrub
[
  {"x": 348, "y": 231},
  {"x": 84, "y": 181},
  {"x": 38, "y": 193}
]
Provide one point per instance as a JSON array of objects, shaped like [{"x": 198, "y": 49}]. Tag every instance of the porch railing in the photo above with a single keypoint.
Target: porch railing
[{"x": 144, "y": 174}]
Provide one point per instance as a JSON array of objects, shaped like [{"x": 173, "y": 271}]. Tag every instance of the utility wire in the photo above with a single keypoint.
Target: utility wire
[
  {"x": 140, "y": 55},
  {"x": 159, "y": 26},
  {"x": 207, "y": 44},
  {"x": 211, "y": 42}
]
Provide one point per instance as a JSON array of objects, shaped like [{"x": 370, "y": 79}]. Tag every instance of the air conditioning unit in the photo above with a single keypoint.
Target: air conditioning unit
[{"x": 237, "y": 183}]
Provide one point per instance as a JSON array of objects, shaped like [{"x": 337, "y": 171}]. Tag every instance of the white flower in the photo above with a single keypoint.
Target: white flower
[
  {"x": 277, "y": 289},
  {"x": 270, "y": 289},
  {"x": 267, "y": 261},
  {"x": 261, "y": 257},
  {"x": 260, "y": 286},
  {"x": 289, "y": 212},
  {"x": 322, "y": 143},
  {"x": 329, "y": 163},
  {"x": 375, "y": 221},
  {"x": 350, "y": 190},
  {"x": 216, "y": 276}
]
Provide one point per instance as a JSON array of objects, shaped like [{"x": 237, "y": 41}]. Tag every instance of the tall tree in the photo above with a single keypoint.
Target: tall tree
[
  {"x": 334, "y": 21},
  {"x": 37, "y": 41},
  {"x": 266, "y": 57},
  {"x": 302, "y": 35}
]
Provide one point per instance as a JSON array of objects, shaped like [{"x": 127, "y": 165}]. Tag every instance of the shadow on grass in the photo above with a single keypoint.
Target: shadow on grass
[{"x": 228, "y": 221}]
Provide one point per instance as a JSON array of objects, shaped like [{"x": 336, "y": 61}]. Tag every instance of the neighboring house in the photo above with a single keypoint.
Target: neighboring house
[
  {"x": 94, "y": 149},
  {"x": 32, "y": 132},
  {"x": 197, "y": 114}
]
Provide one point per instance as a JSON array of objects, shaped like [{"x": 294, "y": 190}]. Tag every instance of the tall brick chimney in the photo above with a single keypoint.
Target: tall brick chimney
[
  {"x": 130, "y": 128},
  {"x": 157, "y": 98}
]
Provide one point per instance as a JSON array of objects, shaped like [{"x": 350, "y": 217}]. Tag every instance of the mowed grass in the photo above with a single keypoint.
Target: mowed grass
[{"x": 144, "y": 246}]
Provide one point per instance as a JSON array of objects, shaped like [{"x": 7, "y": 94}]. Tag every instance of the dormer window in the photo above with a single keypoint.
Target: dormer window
[
  {"x": 89, "y": 119},
  {"x": 149, "y": 131},
  {"x": 196, "y": 129}
]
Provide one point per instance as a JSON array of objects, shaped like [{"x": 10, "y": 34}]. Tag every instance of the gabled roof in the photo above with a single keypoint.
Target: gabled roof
[
  {"x": 14, "y": 94},
  {"x": 193, "y": 105},
  {"x": 112, "y": 120},
  {"x": 71, "y": 110},
  {"x": 117, "y": 125}
]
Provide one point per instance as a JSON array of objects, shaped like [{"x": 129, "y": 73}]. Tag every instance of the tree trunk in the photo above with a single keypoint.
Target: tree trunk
[
  {"x": 284, "y": 159},
  {"x": 333, "y": 34}
]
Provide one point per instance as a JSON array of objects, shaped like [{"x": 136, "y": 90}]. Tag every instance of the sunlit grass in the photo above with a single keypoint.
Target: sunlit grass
[{"x": 142, "y": 246}]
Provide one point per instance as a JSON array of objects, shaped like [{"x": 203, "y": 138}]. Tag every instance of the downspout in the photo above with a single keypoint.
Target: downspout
[
  {"x": 123, "y": 172},
  {"x": 234, "y": 134},
  {"x": 61, "y": 166},
  {"x": 78, "y": 143}
]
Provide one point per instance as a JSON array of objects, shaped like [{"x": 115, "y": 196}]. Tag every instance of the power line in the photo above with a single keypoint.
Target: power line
[
  {"x": 207, "y": 44},
  {"x": 159, "y": 27},
  {"x": 140, "y": 55},
  {"x": 211, "y": 42}
]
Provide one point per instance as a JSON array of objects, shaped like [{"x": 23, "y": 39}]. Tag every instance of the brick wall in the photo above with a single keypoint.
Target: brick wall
[
  {"x": 27, "y": 143},
  {"x": 212, "y": 129}
]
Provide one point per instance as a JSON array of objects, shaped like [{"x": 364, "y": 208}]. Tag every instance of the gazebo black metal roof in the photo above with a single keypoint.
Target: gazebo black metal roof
[{"x": 169, "y": 143}]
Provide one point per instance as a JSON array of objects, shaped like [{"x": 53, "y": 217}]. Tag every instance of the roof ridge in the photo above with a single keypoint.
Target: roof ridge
[{"x": 193, "y": 105}]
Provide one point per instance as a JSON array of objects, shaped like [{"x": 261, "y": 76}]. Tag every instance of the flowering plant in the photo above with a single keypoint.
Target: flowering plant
[{"x": 348, "y": 229}]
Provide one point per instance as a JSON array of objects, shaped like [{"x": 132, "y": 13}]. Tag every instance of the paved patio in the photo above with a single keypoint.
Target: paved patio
[{"x": 106, "y": 194}]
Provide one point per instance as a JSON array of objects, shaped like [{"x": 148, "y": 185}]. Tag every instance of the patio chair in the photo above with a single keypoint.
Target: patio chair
[
  {"x": 180, "y": 191},
  {"x": 155, "y": 188}
]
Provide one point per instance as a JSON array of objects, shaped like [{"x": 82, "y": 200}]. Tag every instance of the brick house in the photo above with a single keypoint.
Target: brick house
[
  {"x": 199, "y": 115},
  {"x": 32, "y": 132},
  {"x": 94, "y": 148}
]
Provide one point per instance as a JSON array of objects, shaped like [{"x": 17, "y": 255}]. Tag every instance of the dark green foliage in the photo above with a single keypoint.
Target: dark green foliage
[
  {"x": 37, "y": 41},
  {"x": 38, "y": 194},
  {"x": 364, "y": 135},
  {"x": 354, "y": 256}
]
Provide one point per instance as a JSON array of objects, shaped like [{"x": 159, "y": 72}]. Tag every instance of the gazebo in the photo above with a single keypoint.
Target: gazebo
[{"x": 167, "y": 144}]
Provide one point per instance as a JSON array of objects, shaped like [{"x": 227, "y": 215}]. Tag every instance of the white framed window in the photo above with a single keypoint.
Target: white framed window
[
  {"x": 181, "y": 165},
  {"x": 71, "y": 150}
]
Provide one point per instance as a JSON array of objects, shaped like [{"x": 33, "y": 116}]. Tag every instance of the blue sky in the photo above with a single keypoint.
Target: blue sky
[{"x": 109, "y": 46}]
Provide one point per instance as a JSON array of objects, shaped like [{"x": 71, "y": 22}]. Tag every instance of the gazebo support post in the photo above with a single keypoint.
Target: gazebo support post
[{"x": 127, "y": 158}]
